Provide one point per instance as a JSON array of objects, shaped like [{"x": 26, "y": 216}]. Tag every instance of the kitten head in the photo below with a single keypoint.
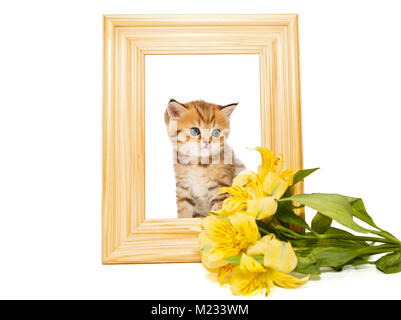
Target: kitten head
[{"x": 198, "y": 129}]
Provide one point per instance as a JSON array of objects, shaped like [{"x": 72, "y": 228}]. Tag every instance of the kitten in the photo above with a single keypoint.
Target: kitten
[{"x": 203, "y": 162}]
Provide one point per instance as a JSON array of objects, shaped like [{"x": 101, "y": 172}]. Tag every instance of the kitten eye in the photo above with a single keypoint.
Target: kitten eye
[
  {"x": 194, "y": 132},
  {"x": 216, "y": 133}
]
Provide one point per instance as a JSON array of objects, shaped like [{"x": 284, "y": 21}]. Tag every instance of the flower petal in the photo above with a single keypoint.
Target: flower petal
[
  {"x": 212, "y": 264},
  {"x": 217, "y": 228},
  {"x": 236, "y": 191},
  {"x": 255, "y": 188},
  {"x": 232, "y": 205},
  {"x": 259, "y": 247},
  {"x": 279, "y": 255},
  {"x": 288, "y": 176},
  {"x": 246, "y": 283},
  {"x": 262, "y": 208},
  {"x": 274, "y": 185},
  {"x": 243, "y": 178},
  {"x": 279, "y": 189},
  {"x": 246, "y": 228},
  {"x": 287, "y": 281},
  {"x": 249, "y": 264},
  {"x": 268, "y": 161},
  {"x": 224, "y": 272},
  {"x": 205, "y": 241}
]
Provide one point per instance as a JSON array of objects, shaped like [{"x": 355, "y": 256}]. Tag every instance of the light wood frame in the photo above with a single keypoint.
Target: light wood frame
[{"x": 127, "y": 236}]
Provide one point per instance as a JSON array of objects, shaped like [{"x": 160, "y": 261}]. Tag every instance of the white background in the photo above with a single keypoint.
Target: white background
[
  {"x": 50, "y": 146},
  {"x": 220, "y": 79}
]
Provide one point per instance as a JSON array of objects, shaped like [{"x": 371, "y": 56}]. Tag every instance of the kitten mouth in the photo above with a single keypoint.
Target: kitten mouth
[{"x": 206, "y": 145}]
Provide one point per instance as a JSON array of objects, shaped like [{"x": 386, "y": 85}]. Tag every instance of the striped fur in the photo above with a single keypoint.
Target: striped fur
[{"x": 203, "y": 164}]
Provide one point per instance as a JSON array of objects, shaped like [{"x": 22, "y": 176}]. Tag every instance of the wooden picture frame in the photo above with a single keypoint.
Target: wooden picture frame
[{"x": 127, "y": 237}]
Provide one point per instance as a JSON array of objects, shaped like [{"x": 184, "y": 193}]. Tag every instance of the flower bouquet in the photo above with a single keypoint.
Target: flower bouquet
[{"x": 250, "y": 243}]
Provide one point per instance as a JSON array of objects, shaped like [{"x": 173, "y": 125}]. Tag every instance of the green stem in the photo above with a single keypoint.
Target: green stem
[
  {"x": 386, "y": 235},
  {"x": 289, "y": 231},
  {"x": 379, "y": 249},
  {"x": 335, "y": 236},
  {"x": 360, "y": 238},
  {"x": 264, "y": 230},
  {"x": 366, "y": 250}
]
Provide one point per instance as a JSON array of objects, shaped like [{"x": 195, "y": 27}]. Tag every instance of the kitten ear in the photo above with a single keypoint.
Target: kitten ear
[
  {"x": 175, "y": 109},
  {"x": 228, "y": 109}
]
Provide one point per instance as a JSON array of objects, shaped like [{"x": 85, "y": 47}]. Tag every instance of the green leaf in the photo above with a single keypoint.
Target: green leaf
[
  {"x": 320, "y": 223},
  {"x": 307, "y": 265},
  {"x": 359, "y": 211},
  {"x": 235, "y": 260},
  {"x": 319, "y": 257},
  {"x": 354, "y": 262},
  {"x": 286, "y": 214},
  {"x": 332, "y": 230},
  {"x": 390, "y": 263},
  {"x": 334, "y": 206},
  {"x": 301, "y": 174}
]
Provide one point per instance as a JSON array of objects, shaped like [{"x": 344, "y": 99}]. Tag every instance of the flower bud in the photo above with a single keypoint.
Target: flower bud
[{"x": 320, "y": 223}]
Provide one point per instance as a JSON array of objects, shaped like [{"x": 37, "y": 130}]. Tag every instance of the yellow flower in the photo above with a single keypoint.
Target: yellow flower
[
  {"x": 223, "y": 273},
  {"x": 262, "y": 208},
  {"x": 268, "y": 162},
  {"x": 278, "y": 255},
  {"x": 244, "y": 177},
  {"x": 233, "y": 232},
  {"x": 250, "y": 278},
  {"x": 257, "y": 193},
  {"x": 271, "y": 164},
  {"x": 279, "y": 259},
  {"x": 223, "y": 237},
  {"x": 236, "y": 203},
  {"x": 275, "y": 179}
]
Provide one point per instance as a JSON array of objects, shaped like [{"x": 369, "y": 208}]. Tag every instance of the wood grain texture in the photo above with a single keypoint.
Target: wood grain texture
[{"x": 127, "y": 237}]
